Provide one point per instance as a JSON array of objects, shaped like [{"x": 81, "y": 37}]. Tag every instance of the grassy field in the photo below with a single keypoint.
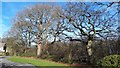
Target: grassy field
[{"x": 35, "y": 62}]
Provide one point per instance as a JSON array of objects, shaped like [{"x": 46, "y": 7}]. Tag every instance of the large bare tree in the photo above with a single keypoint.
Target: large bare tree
[
  {"x": 77, "y": 21},
  {"x": 35, "y": 23},
  {"x": 89, "y": 20}
]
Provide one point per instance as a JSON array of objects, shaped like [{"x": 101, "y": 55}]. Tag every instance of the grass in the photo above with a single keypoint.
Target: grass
[
  {"x": 2, "y": 53},
  {"x": 35, "y": 62},
  {"x": 40, "y": 63}
]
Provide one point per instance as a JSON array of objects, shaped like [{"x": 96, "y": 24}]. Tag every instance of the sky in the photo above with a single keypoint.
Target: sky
[
  {"x": 9, "y": 10},
  {"x": 60, "y": 0}
]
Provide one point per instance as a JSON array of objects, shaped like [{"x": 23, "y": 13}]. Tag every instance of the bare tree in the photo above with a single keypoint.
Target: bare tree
[
  {"x": 77, "y": 21},
  {"x": 34, "y": 24},
  {"x": 58, "y": 27},
  {"x": 90, "y": 20}
]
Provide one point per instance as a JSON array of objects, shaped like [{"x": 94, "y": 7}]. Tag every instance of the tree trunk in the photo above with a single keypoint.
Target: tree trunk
[
  {"x": 14, "y": 52},
  {"x": 89, "y": 50},
  {"x": 89, "y": 47},
  {"x": 70, "y": 57},
  {"x": 39, "y": 50}
]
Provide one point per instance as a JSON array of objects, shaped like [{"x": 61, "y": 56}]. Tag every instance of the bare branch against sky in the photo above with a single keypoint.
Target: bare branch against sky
[
  {"x": 60, "y": 0},
  {"x": 10, "y": 5}
]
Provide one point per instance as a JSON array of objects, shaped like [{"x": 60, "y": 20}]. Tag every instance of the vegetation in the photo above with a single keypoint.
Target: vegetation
[
  {"x": 2, "y": 53},
  {"x": 77, "y": 33},
  {"x": 110, "y": 61},
  {"x": 35, "y": 62}
]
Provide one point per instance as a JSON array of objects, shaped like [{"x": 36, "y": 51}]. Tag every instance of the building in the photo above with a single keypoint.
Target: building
[{"x": 2, "y": 47}]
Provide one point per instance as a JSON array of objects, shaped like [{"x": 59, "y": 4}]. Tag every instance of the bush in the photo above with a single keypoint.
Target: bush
[
  {"x": 7, "y": 53},
  {"x": 28, "y": 55},
  {"x": 60, "y": 52},
  {"x": 111, "y": 60}
]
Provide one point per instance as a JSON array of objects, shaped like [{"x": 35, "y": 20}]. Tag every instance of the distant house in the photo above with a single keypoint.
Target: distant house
[{"x": 2, "y": 46}]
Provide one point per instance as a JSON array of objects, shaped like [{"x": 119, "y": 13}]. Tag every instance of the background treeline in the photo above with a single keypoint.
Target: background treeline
[{"x": 73, "y": 52}]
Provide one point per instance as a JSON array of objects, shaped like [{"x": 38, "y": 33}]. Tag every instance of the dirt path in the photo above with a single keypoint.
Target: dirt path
[{"x": 4, "y": 63}]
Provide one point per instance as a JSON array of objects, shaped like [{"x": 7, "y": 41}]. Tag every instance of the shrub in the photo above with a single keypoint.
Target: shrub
[
  {"x": 7, "y": 53},
  {"x": 111, "y": 60},
  {"x": 28, "y": 55}
]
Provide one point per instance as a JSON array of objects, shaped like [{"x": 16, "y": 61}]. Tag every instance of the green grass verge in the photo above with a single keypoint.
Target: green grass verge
[
  {"x": 2, "y": 54},
  {"x": 35, "y": 62}
]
